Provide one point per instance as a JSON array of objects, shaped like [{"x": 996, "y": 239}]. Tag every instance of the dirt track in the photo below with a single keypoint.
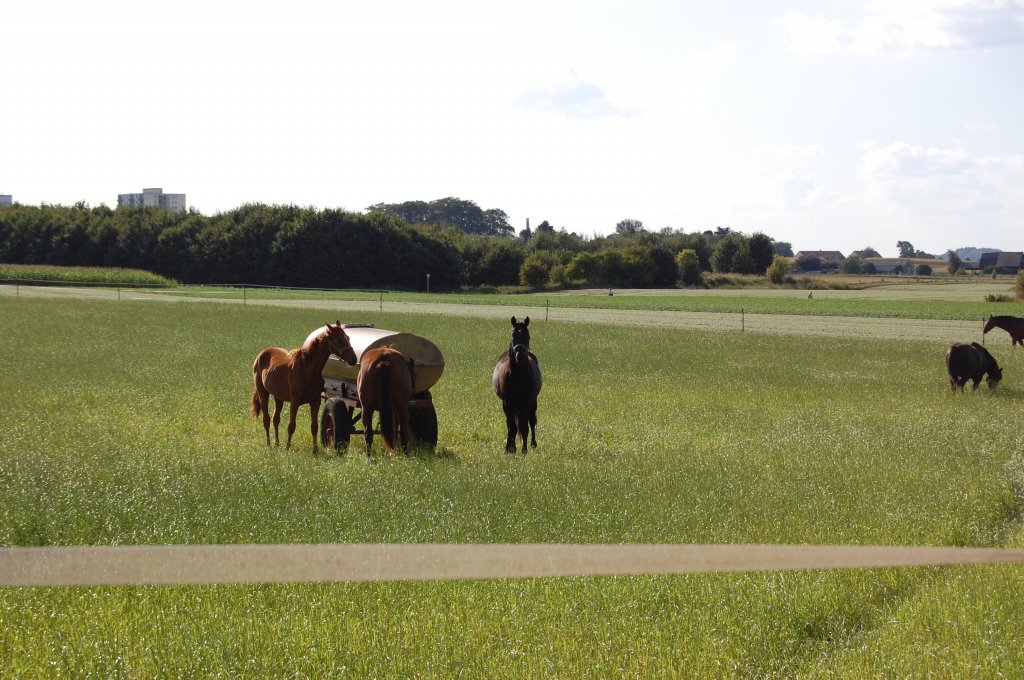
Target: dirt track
[{"x": 823, "y": 326}]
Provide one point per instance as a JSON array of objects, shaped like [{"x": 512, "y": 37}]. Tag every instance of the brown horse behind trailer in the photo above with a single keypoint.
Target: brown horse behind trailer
[
  {"x": 385, "y": 383},
  {"x": 295, "y": 376},
  {"x": 971, "y": 362}
]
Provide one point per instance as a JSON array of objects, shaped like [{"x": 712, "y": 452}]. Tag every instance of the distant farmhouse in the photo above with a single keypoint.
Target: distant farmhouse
[
  {"x": 1003, "y": 263},
  {"x": 878, "y": 265},
  {"x": 153, "y": 198},
  {"x": 891, "y": 265},
  {"x": 6, "y": 199},
  {"x": 823, "y": 255}
]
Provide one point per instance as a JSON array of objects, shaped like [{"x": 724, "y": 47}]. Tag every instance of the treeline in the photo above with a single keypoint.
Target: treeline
[{"x": 292, "y": 246}]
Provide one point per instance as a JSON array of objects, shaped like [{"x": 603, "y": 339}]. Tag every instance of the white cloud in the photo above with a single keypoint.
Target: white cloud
[
  {"x": 932, "y": 180},
  {"x": 906, "y": 27},
  {"x": 782, "y": 181},
  {"x": 575, "y": 99}
]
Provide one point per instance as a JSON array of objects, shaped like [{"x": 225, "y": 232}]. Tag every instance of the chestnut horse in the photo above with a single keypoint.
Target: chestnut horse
[
  {"x": 1014, "y": 325},
  {"x": 296, "y": 377},
  {"x": 517, "y": 383},
  {"x": 971, "y": 362},
  {"x": 385, "y": 383}
]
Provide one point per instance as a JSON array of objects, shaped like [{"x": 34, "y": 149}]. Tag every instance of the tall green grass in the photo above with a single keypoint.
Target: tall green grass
[
  {"x": 127, "y": 423},
  {"x": 82, "y": 275}
]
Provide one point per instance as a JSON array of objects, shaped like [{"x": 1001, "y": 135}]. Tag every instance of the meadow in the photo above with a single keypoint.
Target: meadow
[
  {"x": 903, "y": 300},
  {"x": 127, "y": 423}
]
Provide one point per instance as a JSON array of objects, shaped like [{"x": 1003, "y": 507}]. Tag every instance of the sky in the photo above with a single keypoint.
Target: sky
[{"x": 829, "y": 125}]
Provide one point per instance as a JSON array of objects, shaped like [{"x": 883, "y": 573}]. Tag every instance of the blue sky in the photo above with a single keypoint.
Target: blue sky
[{"x": 829, "y": 125}]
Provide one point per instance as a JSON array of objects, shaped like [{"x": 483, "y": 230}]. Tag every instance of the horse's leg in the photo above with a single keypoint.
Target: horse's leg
[
  {"x": 510, "y": 423},
  {"x": 523, "y": 420},
  {"x": 313, "y": 425},
  {"x": 533, "y": 426},
  {"x": 367, "y": 429},
  {"x": 277, "y": 422},
  {"x": 403, "y": 428},
  {"x": 265, "y": 410},
  {"x": 293, "y": 410}
]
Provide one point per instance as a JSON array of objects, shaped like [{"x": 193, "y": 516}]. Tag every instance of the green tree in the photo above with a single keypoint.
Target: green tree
[
  {"x": 852, "y": 265},
  {"x": 689, "y": 267},
  {"x": 558, "y": 277},
  {"x": 784, "y": 248},
  {"x": 808, "y": 263},
  {"x": 629, "y": 227},
  {"x": 501, "y": 263},
  {"x": 534, "y": 272},
  {"x": 778, "y": 269},
  {"x": 583, "y": 267},
  {"x": 954, "y": 261},
  {"x": 726, "y": 257},
  {"x": 906, "y": 248},
  {"x": 761, "y": 252},
  {"x": 923, "y": 270},
  {"x": 1018, "y": 286}
]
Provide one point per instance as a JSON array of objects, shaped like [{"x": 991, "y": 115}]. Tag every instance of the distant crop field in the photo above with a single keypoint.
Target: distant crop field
[
  {"x": 126, "y": 423},
  {"x": 82, "y": 275}
]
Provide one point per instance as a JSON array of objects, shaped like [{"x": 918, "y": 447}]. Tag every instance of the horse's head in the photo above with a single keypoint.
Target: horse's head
[
  {"x": 520, "y": 333},
  {"x": 995, "y": 374},
  {"x": 519, "y": 347},
  {"x": 339, "y": 343},
  {"x": 989, "y": 325}
]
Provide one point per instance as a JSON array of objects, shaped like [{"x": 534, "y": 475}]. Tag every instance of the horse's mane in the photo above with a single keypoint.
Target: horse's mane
[
  {"x": 311, "y": 342},
  {"x": 983, "y": 351}
]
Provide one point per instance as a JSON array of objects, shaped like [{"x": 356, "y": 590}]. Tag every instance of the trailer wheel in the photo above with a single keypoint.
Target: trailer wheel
[
  {"x": 423, "y": 425},
  {"x": 335, "y": 425}
]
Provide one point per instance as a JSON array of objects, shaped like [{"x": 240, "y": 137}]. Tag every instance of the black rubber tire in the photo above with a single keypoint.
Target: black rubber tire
[
  {"x": 335, "y": 425},
  {"x": 423, "y": 425}
]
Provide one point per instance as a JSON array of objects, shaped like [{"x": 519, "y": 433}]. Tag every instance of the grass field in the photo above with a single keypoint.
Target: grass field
[{"x": 126, "y": 423}]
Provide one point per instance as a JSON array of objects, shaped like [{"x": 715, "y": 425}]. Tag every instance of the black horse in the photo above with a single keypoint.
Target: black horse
[
  {"x": 517, "y": 383},
  {"x": 971, "y": 362},
  {"x": 1014, "y": 325}
]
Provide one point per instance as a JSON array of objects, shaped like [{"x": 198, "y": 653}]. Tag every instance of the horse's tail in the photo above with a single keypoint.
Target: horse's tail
[
  {"x": 387, "y": 409},
  {"x": 257, "y": 388}
]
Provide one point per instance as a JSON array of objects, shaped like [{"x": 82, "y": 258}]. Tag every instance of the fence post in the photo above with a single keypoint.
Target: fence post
[
  {"x": 245, "y": 301},
  {"x": 743, "y": 320},
  {"x": 547, "y": 308}
]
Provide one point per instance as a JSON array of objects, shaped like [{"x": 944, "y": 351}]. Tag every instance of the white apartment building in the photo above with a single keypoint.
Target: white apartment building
[{"x": 155, "y": 198}]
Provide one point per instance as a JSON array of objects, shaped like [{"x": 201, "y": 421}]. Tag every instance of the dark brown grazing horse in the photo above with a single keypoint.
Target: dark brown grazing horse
[
  {"x": 971, "y": 362},
  {"x": 517, "y": 383},
  {"x": 1014, "y": 325},
  {"x": 296, "y": 377},
  {"x": 385, "y": 383}
]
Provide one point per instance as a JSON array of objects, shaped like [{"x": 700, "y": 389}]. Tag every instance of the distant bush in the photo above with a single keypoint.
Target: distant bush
[{"x": 778, "y": 269}]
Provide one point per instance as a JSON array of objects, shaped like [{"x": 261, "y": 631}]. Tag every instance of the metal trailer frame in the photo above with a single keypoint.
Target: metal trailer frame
[{"x": 341, "y": 409}]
